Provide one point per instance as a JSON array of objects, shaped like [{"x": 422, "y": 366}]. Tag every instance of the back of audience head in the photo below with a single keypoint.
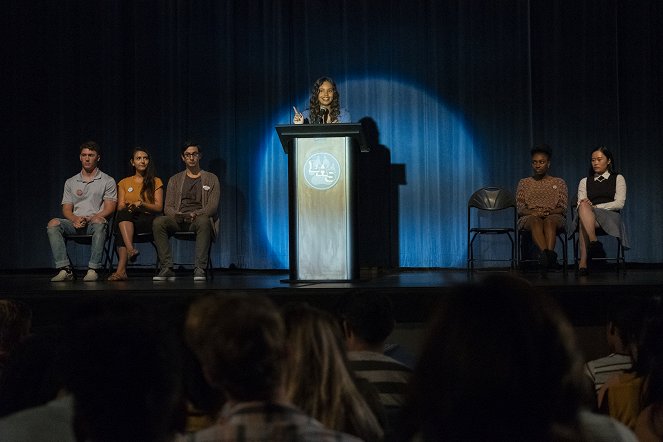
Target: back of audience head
[
  {"x": 15, "y": 324},
  {"x": 625, "y": 319},
  {"x": 499, "y": 363},
  {"x": 32, "y": 376},
  {"x": 125, "y": 377},
  {"x": 240, "y": 343},
  {"x": 317, "y": 378},
  {"x": 650, "y": 365},
  {"x": 366, "y": 317},
  {"x": 649, "y": 349}
]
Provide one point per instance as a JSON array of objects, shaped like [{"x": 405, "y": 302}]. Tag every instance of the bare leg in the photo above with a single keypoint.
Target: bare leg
[
  {"x": 126, "y": 229},
  {"x": 550, "y": 233},
  {"x": 121, "y": 260},
  {"x": 587, "y": 220},
  {"x": 586, "y": 230},
  {"x": 535, "y": 226}
]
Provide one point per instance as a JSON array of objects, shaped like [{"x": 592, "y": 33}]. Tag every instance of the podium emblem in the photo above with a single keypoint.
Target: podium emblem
[{"x": 322, "y": 171}]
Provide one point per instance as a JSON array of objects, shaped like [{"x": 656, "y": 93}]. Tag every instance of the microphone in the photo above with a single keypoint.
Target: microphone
[{"x": 323, "y": 115}]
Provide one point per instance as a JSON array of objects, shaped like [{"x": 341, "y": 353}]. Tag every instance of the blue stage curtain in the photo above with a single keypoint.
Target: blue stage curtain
[{"x": 458, "y": 91}]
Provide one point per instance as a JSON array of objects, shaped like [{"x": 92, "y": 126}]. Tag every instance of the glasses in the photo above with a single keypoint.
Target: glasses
[{"x": 191, "y": 154}]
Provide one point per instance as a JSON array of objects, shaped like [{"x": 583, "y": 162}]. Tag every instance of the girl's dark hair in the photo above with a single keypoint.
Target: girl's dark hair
[
  {"x": 314, "y": 104},
  {"x": 147, "y": 192},
  {"x": 542, "y": 148}
]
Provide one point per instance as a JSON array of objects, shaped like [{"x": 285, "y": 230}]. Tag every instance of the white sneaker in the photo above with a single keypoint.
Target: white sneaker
[
  {"x": 91, "y": 275},
  {"x": 165, "y": 274},
  {"x": 199, "y": 274},
  {"x": 63, "y": 275}
]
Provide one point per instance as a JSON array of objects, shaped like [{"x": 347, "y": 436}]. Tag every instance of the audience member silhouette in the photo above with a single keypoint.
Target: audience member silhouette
[
  {"x": 241, "y": 344},
  {"x": 500, "y": 364},
  {"x": 15, "y": 324},
  {"x": 329, "y": 393},
  {"x": 367, "y": 320},
  {"x": 126, "y": 382},
  {"x": 623, "y": 325},
  {"x": 31, "y": 376},
  {"x": 622, "y": 396},
  {"x": 649, "y": 425},
  {"x": 203, "y": 402},
  {"x": 120, "y": 376}
]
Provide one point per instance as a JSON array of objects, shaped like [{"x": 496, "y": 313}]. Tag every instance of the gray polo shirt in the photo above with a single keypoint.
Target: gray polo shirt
[{"x": 88, "y": 196}]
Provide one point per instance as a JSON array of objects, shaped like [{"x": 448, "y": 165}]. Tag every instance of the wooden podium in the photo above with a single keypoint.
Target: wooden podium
[{"x": 321, "y": 199}]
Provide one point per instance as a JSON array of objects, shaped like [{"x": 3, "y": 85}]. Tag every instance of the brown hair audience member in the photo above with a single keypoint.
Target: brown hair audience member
[
  {"x": 241, "y": 344},
  {"x": 317, "y": 378},
  {"x": 500, "y": 364},
  {"x": 649, "y": 425},
  {"x": 626, "y": 395},
  {"x": 126, "y": 380},
  {"x": 15, "y": 324}
]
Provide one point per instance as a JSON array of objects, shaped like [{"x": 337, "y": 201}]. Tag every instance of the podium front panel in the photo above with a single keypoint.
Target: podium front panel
[{"x": 324, "y": 227}]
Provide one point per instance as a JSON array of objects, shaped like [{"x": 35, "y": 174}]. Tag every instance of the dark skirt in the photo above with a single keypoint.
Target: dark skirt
[
  {"x": 611, "y": 222},
  {"x": 142, "y": 223}
]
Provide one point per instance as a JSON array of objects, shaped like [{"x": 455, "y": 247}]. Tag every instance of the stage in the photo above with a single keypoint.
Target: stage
[{"x": 413, "y": 291}]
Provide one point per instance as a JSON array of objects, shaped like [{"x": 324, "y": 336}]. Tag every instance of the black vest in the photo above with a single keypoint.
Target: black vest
[{"x": 601, "y": 192}]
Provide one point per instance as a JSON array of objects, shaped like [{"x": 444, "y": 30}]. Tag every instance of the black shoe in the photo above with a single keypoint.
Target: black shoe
[
  {"x": 552, "y": 258},
  {"x": 543, "y": 259},
  {"x": 595, "y": 250},
  {"x": 583, "y": 271}
]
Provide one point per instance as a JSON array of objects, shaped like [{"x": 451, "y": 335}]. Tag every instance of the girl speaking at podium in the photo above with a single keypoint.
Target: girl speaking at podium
[{"x": 324, "y": 105}]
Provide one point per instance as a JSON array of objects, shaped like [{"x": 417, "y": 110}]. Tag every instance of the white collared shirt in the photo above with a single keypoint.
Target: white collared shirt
[{"x": 620, "y": 192}]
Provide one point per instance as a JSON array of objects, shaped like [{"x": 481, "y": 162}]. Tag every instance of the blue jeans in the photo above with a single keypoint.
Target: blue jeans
[{"x": 59, "y": 248}]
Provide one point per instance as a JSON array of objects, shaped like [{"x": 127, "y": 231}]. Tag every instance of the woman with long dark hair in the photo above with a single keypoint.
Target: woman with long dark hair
[
  {"x": 324, "y": 105},
  {"x": 139, "y": 198}
]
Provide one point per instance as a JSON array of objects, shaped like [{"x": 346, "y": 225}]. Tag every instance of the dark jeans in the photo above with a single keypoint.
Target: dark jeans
[{"x": 164, "y": 227}]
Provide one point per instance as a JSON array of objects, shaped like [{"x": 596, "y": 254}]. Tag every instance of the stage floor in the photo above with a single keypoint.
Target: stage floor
[{"x": 413, "y": 291}]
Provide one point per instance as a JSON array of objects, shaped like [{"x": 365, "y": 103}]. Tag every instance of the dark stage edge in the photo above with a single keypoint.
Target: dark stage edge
[{"x": 413, "y": 291}]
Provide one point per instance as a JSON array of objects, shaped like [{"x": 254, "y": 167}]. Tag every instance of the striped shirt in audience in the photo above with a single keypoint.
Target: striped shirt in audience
[
  {"x": 602, "y": 369},
  {"x": 389, "y": 376}
]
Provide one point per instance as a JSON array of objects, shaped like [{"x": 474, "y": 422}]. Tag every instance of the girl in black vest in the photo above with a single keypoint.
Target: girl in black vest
[{"x": 601, "y": 195}]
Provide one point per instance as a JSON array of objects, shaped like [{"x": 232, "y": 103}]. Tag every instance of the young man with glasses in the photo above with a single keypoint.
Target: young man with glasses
[{"x": 192, "y": 200}]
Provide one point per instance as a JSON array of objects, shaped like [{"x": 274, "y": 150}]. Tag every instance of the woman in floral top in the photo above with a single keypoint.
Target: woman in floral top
[{"x": 542, "y": 203}]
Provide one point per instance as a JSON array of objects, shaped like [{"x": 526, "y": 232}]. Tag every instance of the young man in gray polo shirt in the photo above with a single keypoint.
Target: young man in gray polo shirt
[{"x": 89, "y": 199}]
